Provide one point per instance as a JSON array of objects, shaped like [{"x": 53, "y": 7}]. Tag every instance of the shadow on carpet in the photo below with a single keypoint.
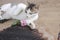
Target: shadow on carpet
[{"x": 19, "y": 33}]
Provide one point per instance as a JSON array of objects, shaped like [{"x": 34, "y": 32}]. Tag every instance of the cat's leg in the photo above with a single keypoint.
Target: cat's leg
[
  {"x": 5, "y": 7},
  {"x": 32, "y": 25}
]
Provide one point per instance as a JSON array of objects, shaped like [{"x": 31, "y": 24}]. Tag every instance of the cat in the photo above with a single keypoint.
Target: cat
[
  {"x": 3, "y": 9},
  {"x": 32, "y": 12},
  {"x": 21, "y": 11}
]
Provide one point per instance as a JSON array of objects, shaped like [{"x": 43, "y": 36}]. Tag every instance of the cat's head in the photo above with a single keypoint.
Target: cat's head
[{"x": 32, "y": 7}]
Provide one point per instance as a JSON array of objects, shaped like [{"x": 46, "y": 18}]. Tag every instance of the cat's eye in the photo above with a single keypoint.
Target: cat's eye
[
  {"x": 30, "y": 13},
  {"x": 35, "y": 7}
]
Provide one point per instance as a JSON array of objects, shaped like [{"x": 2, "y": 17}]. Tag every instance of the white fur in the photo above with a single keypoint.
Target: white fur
[
  {"x": 5, "y": 7},
  {"x": 15, "y": 13}
]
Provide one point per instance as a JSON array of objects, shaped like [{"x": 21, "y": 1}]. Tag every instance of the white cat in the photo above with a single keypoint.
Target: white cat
[
  {"x": 20, "y": 12},
  {"x": 4, "y": 9}
]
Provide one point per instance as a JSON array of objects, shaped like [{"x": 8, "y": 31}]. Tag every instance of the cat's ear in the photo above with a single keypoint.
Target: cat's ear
[
  {"x": 37, "y": 6},
  {"x": 28, "y": 3}
]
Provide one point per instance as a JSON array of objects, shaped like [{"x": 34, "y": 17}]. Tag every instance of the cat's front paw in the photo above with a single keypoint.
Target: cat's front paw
[{"x": 32, "y": 27}]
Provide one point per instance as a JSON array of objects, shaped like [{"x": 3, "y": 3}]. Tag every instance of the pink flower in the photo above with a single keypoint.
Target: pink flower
[{"x": 23, "y": 22}]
